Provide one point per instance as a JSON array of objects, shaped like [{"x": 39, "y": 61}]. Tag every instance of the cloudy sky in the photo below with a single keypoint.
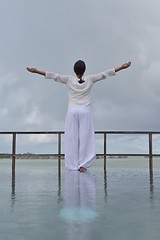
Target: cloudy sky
[{"x": 52, "y": 34}]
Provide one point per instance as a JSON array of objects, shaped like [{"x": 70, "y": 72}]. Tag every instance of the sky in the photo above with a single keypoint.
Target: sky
[{"x": 51, "y": 35}]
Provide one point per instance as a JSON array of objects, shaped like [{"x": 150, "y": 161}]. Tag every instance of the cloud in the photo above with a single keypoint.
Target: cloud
[{"x": 45, "y": 35}]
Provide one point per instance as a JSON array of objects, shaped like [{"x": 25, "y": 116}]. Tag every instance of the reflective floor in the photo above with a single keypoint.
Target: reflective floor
[{"x": 36, "y": 203}]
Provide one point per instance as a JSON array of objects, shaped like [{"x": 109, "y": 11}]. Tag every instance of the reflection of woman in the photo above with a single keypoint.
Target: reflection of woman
[
  {"x": 82, "y": 194},
  {"x": 80, "y": 198},
  {"x": 79, "y": 132},
  {"x": 79, "y": 204}
]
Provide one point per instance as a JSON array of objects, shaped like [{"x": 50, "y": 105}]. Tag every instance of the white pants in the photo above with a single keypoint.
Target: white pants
[{"x": 79, "y": 138}]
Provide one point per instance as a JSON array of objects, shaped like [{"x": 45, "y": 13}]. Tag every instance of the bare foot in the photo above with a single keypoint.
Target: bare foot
[{"x": 82, "y": 169}]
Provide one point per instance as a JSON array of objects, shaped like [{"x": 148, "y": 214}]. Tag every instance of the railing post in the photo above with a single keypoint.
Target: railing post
[
  {"x": 150, "y": 154},
  {"x": 105, "y": 145},
  {"x": 13, "y": 151},
  {"x": 59, "y": 153}
]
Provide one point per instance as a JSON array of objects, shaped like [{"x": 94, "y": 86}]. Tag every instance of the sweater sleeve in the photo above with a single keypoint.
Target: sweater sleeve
[
  {"x": 103, "y": 75},
  {"x": 57, "y": 77}
]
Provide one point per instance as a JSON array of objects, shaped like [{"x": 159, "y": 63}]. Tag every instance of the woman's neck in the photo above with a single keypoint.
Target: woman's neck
[{"x": 80, "y": 79}]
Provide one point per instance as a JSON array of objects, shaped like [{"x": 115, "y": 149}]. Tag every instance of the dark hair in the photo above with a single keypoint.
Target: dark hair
[{"x": 79, "y": 68}]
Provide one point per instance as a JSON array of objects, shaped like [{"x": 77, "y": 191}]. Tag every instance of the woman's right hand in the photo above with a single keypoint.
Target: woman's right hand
[
  {"x": 32, "y": 70},
  {"x": 35, "y": 70}
]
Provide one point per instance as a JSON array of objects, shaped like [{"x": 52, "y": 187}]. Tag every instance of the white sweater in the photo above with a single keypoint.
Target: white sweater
[{"x": 79, "y": 94}]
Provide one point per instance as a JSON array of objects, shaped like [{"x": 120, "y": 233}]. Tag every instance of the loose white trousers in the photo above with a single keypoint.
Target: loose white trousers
[{"x": 79, "y": 138}]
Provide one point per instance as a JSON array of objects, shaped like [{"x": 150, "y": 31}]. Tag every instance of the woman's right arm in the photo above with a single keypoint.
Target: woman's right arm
[
  {"x": 50, "y": 75},
  {"x": 35, "y": 70}
]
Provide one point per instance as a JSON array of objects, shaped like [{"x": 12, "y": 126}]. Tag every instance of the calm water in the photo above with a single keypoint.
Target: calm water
[{"x": 37, "y": 204}]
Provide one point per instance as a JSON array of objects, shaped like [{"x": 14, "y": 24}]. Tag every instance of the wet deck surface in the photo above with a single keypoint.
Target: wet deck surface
[{"x": 36, "y": 203}]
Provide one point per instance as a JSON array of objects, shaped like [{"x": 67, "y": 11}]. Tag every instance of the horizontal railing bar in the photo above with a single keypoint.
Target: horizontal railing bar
[
  {"x": 126, "y": 132},
  {"x": 96, "y": 132},
  {"x": 62, "y": 154},
  {"x": 37, "y": 132},
  {"x": 30, "y": 154},
  {"x": 128, "y": 154}
]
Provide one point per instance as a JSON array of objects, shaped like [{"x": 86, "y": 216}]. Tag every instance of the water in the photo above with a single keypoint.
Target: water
[{"x": 36, "y": 203}]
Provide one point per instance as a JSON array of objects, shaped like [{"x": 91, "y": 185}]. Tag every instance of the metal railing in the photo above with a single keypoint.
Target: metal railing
[{"x": 105, "y": 134}]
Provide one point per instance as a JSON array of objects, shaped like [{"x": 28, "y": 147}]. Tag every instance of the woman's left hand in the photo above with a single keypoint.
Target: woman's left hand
[{"x": 126, "y": 65}]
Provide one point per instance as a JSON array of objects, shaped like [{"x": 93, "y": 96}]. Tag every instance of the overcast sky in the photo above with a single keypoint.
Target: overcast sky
[{"x": 52, "y": 34}]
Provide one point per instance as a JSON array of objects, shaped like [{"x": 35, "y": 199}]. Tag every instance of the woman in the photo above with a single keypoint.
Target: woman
[{"x": 79, "y": 131}]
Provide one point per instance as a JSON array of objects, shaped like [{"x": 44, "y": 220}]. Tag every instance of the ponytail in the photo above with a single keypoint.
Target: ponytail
[{"x": 80, "y": 79}]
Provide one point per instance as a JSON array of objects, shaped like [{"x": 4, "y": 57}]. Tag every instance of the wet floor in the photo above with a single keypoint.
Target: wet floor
[{"x": 36, "y": 203}]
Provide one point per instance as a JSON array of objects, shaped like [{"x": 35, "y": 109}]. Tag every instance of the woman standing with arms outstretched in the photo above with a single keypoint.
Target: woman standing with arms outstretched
[{"x": 79, "y": 131}]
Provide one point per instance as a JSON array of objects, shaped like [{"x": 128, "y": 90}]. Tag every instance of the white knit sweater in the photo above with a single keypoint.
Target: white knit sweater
[{"x": 79, "y": 94}]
